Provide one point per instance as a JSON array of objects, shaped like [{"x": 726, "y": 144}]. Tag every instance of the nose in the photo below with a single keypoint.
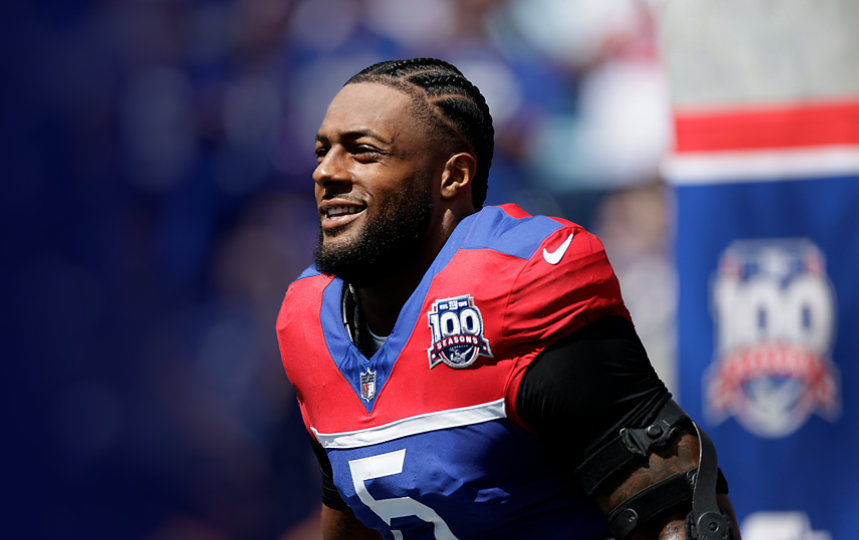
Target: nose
[{"x": 331, "y": 168}]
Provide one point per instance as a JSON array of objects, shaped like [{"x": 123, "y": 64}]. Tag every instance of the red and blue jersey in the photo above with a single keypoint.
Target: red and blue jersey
[{"x": 423, "y": 437}]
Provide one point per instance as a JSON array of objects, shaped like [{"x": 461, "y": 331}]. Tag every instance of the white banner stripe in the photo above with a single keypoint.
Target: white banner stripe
[
  {"x": 475, "y": 414},
  {"x": 754, "y": 166}
]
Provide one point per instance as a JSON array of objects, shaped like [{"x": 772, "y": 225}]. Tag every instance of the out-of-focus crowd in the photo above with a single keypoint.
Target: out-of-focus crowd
[{"x": 157, "y": 201}]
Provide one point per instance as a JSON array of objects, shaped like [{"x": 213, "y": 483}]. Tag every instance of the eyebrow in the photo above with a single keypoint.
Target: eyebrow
[{"x": 354, "y": 135}]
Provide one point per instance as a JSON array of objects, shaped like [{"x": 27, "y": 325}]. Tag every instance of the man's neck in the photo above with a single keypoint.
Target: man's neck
[{"x": 380, "y": 305}]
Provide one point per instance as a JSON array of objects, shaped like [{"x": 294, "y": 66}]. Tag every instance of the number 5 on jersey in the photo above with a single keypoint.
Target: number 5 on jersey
[{"x": 387, "y": 465}]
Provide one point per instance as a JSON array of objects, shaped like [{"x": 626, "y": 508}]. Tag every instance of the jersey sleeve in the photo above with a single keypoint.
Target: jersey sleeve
[
  {"x": 566, "y": 284},
  {"x": 598, "y": 379}
]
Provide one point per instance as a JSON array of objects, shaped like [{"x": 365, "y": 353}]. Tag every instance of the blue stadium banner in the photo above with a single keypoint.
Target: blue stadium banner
[{"x": 767, "y": 225}]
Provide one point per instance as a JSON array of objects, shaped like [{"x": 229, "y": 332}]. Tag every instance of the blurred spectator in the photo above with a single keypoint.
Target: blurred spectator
[{"x": 634, "y": 225}]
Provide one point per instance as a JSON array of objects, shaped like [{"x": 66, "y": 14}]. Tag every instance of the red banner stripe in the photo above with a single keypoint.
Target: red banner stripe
[{"x": 789, "y": 126}]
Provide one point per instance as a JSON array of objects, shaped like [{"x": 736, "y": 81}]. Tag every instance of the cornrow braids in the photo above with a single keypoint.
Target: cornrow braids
[{"x": 455, "y": 104}]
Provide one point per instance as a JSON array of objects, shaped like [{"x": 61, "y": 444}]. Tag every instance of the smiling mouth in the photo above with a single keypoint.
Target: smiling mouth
[
  {"x": 337, "y": 212},
  {"x": 339, "y": 215}
]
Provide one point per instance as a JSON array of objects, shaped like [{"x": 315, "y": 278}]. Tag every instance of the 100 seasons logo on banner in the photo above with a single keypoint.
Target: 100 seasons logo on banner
[{"x": 775, "y": 319}]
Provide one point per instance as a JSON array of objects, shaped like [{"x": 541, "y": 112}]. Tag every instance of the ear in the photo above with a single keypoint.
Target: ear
[{"x": 457, "y": 176}]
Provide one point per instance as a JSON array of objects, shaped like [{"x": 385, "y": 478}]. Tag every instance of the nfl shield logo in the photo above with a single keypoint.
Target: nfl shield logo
[{"x": 368, "y": 385}]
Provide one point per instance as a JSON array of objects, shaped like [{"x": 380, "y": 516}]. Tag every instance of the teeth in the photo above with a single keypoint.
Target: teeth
[{"x": 342, "y": 211}]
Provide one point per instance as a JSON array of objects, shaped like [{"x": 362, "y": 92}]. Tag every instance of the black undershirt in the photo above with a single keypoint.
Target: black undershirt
[
  {"x": 580, "y": 391},
  {"x": 575, "y": 395}
]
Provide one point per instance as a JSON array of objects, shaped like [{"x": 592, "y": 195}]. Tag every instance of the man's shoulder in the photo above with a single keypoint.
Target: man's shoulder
[
  {"x": 510, "y": 230},
  {"x": 309, "y": 280},
  {"x": 305, "y": 291}
]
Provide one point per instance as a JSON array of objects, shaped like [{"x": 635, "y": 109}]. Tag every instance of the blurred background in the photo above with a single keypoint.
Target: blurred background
[{"x": 157, "y": 202}]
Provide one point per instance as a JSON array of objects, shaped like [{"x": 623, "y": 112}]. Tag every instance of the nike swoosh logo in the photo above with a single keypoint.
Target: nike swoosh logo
[{"x": 554, "y": 257}]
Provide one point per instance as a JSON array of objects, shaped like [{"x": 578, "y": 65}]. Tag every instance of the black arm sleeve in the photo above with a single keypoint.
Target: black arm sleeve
[
  {"x": 330, "y": 496},
  {"x": 583, "y": 389}
]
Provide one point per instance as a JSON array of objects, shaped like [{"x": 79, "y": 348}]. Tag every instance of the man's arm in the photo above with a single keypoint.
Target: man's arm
[
  {"x": 343, "y": 525},
  {"x": 680, "y": 456},
  {"x": 594, "y": 397}
]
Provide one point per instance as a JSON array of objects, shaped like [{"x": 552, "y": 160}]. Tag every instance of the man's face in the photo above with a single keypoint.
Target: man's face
[{"x": 374, "y": 183}]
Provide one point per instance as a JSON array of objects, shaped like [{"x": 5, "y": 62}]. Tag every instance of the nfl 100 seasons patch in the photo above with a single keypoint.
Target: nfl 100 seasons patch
[{"x": 457, "y": 333}]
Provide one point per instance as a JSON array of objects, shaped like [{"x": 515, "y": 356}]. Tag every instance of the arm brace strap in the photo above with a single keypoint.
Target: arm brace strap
[
  {"x": 704, "y": 522},
  {"x": 630, "y": 445}
]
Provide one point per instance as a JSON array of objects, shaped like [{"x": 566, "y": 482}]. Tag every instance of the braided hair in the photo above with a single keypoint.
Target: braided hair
[{"x": 450, "y": 103}]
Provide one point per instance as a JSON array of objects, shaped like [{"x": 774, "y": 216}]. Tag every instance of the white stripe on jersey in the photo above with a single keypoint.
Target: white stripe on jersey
[{"x": 475, "y": 414}]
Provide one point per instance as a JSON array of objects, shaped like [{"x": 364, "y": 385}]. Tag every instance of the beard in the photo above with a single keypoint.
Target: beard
[{"x": 397, "y": 233}]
